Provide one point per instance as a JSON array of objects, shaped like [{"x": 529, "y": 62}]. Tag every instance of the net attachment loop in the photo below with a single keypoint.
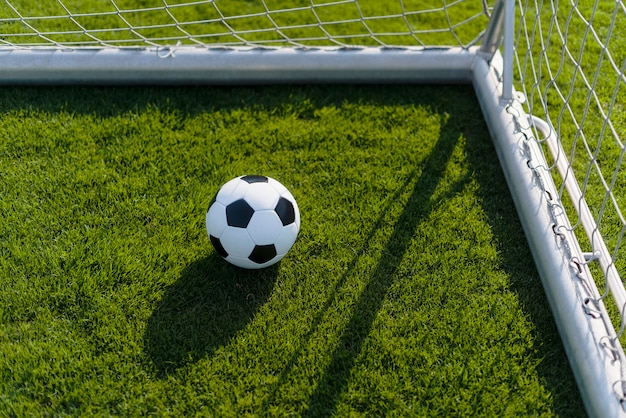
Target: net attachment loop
[
  {"x": 168, "y": 51},
  {"x": 590, "y": 306},
  {"x": 608, "y": 344}
]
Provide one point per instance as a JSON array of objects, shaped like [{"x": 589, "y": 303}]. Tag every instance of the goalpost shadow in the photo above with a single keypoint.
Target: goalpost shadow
[
  {"x": 422, "y": 186},
  {"x": 419, "y": 205},
  {"x": 523, "y": 282}
]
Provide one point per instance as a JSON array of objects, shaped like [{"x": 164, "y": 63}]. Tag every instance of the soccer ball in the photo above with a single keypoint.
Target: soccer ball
[{"x": 253, "y": 221}]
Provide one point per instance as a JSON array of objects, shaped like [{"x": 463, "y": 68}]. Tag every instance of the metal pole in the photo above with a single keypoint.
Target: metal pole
[
  {"x": 193, "y": 65},
  {"x": 493, "y": 34},
  {"x": 508, "y": 47}
]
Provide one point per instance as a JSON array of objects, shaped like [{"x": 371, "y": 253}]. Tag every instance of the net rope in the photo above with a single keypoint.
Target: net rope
[{"x": 224, "y": 23}]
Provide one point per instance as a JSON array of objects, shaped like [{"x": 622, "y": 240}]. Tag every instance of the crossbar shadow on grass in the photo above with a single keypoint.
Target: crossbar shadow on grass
[
  {"x": 524, "y": 280},
  {"x": 203, "y": 310},
  {"x": 324, "y": 399},
  {"x": 422, "y": 186}
]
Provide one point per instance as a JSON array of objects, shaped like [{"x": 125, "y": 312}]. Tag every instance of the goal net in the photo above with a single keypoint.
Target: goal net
[
  {"x": 210, "y": 41},
  {"x": 549, "y": 75},
  {"x": 267, "y": 23}
]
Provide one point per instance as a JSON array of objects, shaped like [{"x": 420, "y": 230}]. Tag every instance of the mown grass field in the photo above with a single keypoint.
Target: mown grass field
[{"x": 410, "y": 290}]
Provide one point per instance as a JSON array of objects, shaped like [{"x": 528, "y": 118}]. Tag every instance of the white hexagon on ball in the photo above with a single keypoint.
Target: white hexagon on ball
[
  {"x": 253, "y": 221},
  {"x": 261, "y": 196},
  {"x": 286, "y": 239},
  {"x": 231, "y": 191},
  {"x": 265, "y": 227},
  {"x": 237, "y": 242},
  {"x": 215, "y": 219}
]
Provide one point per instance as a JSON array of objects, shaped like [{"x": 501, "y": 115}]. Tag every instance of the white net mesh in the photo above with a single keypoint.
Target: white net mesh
[
  {"x": 268, "y": 23},
  {"x": 571, "y": 63}
]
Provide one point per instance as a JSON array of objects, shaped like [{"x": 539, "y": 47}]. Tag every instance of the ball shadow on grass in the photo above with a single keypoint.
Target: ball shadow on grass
[{"x": 203, "y": 310}]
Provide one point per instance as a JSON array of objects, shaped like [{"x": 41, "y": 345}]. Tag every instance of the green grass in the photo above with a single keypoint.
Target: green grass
[{"x": 410, "y": 290}]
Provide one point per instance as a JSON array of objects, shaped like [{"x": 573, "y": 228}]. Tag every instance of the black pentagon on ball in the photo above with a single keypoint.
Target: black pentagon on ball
[
  {"x": 239, "y": 213},
  {"x": 285, "y": 211},
  {"x": 262, "y": 253},
  {"x": 218, "y": 246},
  {"x": 255, "y": 179}
]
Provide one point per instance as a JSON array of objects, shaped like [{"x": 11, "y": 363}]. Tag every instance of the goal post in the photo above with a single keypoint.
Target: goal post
[
  {"x": 234, "y": 42},
  {"x": 549, "y": 77},
  {"x": 588, "y": 335},
  {"x": 240, "y": 65}
]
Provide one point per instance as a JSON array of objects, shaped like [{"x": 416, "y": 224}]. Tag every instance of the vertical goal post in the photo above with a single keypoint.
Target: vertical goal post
[{"x": 549, "y": 77}]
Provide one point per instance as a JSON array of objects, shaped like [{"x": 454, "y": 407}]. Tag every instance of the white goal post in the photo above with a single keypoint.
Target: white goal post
[{"x": 549, "y": 76}]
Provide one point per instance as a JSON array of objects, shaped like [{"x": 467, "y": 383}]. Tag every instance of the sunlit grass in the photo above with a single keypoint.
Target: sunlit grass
[{"x": 410, "y": 290}]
